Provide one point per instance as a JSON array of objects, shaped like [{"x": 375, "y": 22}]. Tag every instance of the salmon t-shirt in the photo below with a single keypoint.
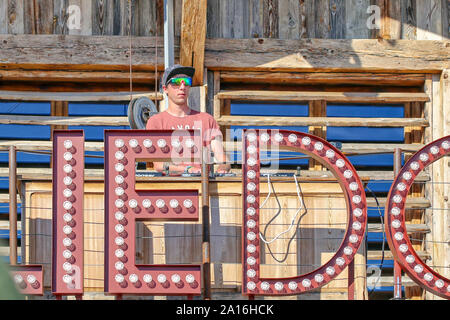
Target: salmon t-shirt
[{"x": 195, "y": 120}]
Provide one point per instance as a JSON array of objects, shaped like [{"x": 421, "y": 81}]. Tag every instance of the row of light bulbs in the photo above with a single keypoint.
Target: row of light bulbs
[
  {"x": 147, "y": 278},
  {"x": 148, "y": 144},
  {"x": 30, "y": 279}
]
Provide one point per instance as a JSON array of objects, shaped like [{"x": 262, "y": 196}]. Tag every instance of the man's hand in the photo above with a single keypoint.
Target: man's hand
[
  {"x": 194, "y": 170},
  {"x": 223, "y": 168}
]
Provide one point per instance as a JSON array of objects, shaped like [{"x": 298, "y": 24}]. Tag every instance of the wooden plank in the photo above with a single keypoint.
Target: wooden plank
[
  {"x": 60, "y": 17},
  {"x": 192, "y": 44},
  {"x": 29, "y": 20},
  {"x": 75, "y": 96},
  {"x": 346, "y": 97},
  {"x": 288, "y": 19},
  {"x": 377, "y": 255},
  {"x": 429, "y": 20},
  {"x": 44, "y": 16},
  {"x": 409, "y": 19},
  {"x": 317, "y": 109},
  {"x": 270, "y": 18},
  {"x": 255, "y": 18},
  {"x": 177, "y": 21},
  {"x": 395, "y": 19},
  {"x": 319, "y": 121},
  {"x": 416, "y": 228},
  {"x": 103, "y": 17},
  {"x": 322, "y": 19},
  {"x": 4, "y": 198},
  {"x": 338, "y": 19},
  {"x": 3, "y": 19},
  {"x": 326, "y": 55},
  {"x": 355, "y": 19},
  {"x": 405, "y": 79},
  {"x": 213, "y": 19},
  {"x": 16, "y": 17}
]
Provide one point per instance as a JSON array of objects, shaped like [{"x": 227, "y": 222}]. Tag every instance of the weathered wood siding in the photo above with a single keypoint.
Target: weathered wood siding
[{"x": 282, "y": 19}]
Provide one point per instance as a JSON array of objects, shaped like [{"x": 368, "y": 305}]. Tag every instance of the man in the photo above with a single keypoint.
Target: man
[{"x": 176, "y": 83}]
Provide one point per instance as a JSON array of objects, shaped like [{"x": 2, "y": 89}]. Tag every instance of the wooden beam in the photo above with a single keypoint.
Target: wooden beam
[
  {"x": 74, "y": 96},
  {"x": 325, "y": 55},
  {"x": 193, "y": 36},
  {"x": 343, "y": 97},
  {"x": 320, "y": 121},
  {"x": 64, "y": 120}
]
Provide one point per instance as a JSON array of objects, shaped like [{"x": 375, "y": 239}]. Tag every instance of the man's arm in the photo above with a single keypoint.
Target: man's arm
[{"x": 220, "y": 156}]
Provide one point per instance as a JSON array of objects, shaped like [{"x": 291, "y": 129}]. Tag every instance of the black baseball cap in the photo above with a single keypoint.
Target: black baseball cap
[{"x": 176, "y": 69}]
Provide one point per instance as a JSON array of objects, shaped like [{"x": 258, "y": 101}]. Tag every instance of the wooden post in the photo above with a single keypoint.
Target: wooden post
[
  {"x": 206, "y": 251},
  {"x": 12, "y": 206}
]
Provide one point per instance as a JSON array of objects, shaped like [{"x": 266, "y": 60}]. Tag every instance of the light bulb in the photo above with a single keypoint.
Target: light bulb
[
  {"x": 318, "y": 146},
  {"x": 330, "y": 154},
  {"x": 119, "y": 215},
  {"x": 414, "y": 165},
  {"x": 67, "y": 230},
  {"x": 410, "y": 258},
  {"x": 403, "y": 248},
  {"x": 251, "y": 198},
  {"x": 251, "y": 186},
  {"x": 340, "y": 163},
  {"x": 251, "y": 236},
  {"x": 161, "y": 278},
  {"x": 265, "y": 137},
  {"x": 18, "y": 279},
  {"x": 147, "y": 143},
  {"x": 146, "y": 203},
  {"x": 251, "y": 174},
  {"x": 356, "y": 199},
  {"x": 424, "y": 157},
  {"x": 418, "y": 268},
  {"x": 119, "y": 155},
  {"x": 133, "y": 143},
  {"x": 175, "y": 278},
  {"x": 187, "y": 203},
  {"x": 251, "y": 224},
  {"x": 67, "y": 181},
  {"x": 175, "y": 143},
  {"x": 306, "y": 283},
  {"x": 251, "y": 285},
  {"x": 251, "y": 162},
  {"x": 133, "y": 278},
  {"x": 147, "y": 278},
  {"x": 292, "y": 138},
  {"x": 439, "y": 283},
  {"x": 401, "y": 187},
  {"x": 357, "y": 212},
  {"x": 67, "y": 242},
  {"x": 119, "y": 228},
  {"x": 67, "y": 193},
  {"x": 251, "y": 248},
  {"x": 67, "y": 168},
  {"x": 68, "y": 144},
  {"x": 348, "y": 251},
  {"x": 119, "y": 179},
  {"x": 293, "y": 285},
  {"x": 119, "y": 167},
  {"x": 67, "y": 254},
  {"x": 445, "y": 145},
  {"x": 428, "y": 276},
  {"x": 306, "y": 141},
  {"x": 353, "y": 238},
  {"x": 397, "y": 198},
  {"x": 279, "y": 286},
  {"x": 174, "y": 203},
  {"x": 251, "y": 149},
  {"x": 396, "y": 224},
  {"x": 160, "y": 203},
  {"x": 398, "y": 236},
  {"x": 67, "y": 156},
  {"x": 434, "y": 150},
  {"x": 395, "y": 211},
  {"x": 348, "y": 174},
  {"x": 67, "y": 205},
  {"x": 119, "y": 203},
  {"x": 119, "y": 265},
  {"x": 119, "y": 278},
  {"x": 318, "y": 278},
  {"x": 340, "y": 261},
  {"x": 407, "y": 175},
  {"x": 265, "y": 286},
  {"x": 356, "y": 225},
  {"x": 161, "y": 143},
  {"x": 251, "y": 261},
  {"x": 31, "y": 279},
  {"x": 278, "y": 137},
  {"x": 330, "y": 271},
  {"x": 190, "y": 278},
  {"x": 251, "y": 137},
  {"x": 67, "y": 279},
  {"x": 251, "y": 273},
  {"x": 133, "y": 203},
  {"x": 119, "y": 241},
  {"x": 67, "y": 217},
  {"x": 119, "y": 253},
  {"x": 190, "y": 143},
  {"x": 119, "y": 143},
  {"x": 119, "y": 191},
  {"x": 251, "y": 211},
  {"x": 353, "y": 186}
]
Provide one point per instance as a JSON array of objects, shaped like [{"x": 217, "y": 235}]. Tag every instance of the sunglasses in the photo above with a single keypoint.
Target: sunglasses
[{"x": 177, "y": 81}]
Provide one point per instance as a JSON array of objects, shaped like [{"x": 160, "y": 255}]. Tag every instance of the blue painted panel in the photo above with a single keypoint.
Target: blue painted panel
[
  {"x": 387, "y": 289},
  {"x": 25, "y": 157},
  {"x": 90, "y": 160},
  {"x": 365, "y": 111},
  {"x": 97, "y": 109},
  {"x": 375, "y": 237},
  {"x": 95, "y": 133},
  {"x": 364, "y": 134},
  {"x": 4, "y": 208},
  {"x": 387, "y": 264},
  {"x": 379, "y": 186},
  {"x": 373, "y": 160},
  {"x": 24, "y": 131},
  {"x": 236, "y": 156},
  {"x": 25, "y": 108},
  {"x": 236, "y": 131},
  {"x": 269, "y": 109},
  {"x": 373, "y": 212},
  {"x": 4, "y": 234},
  {"x": 5, "y": 259}
]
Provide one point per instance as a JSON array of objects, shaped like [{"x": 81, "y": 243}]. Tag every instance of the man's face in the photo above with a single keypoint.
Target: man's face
[{"x": 178, "y": 94}]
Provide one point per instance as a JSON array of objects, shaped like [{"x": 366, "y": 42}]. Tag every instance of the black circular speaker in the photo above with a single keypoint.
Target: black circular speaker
[{"x": 139, "y": 111}]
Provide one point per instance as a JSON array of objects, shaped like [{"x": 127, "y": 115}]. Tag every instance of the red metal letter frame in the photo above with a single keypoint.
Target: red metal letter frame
[
  {"x": 347, "y": 177},
  {"x": 124, "y": 205}
]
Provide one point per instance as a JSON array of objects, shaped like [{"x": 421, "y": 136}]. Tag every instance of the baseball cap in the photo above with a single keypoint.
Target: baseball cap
[{"x": 176, "y": 69}]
